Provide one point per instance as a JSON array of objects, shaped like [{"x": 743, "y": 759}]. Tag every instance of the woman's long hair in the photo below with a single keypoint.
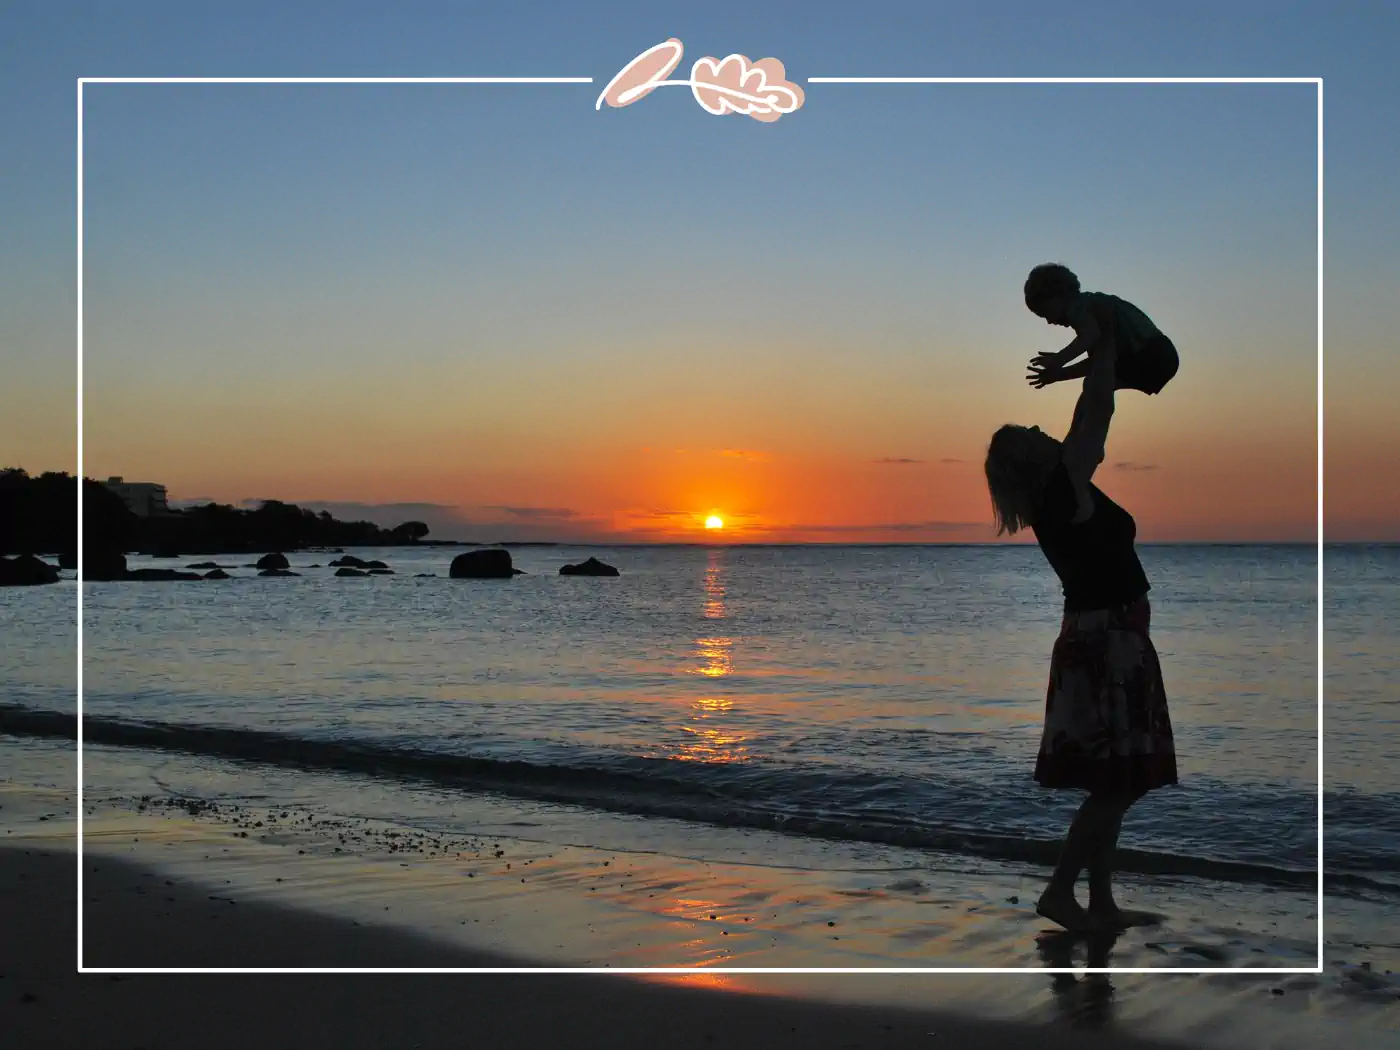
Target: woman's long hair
[{"x": 1014, "y": 479}]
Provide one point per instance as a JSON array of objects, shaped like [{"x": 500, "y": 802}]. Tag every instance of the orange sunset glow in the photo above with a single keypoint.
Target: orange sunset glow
[{"x": 573, "y": 391}]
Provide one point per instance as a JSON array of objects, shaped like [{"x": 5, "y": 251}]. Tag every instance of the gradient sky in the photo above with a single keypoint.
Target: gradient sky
[{"x": 495, "y": 309}]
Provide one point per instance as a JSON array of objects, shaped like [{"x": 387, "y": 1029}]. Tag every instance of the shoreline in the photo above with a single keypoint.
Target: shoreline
[
  {"x": 134, "y": 914},
  {"x": 537, "y": 887},
  {"x": 356, "y": 757}
]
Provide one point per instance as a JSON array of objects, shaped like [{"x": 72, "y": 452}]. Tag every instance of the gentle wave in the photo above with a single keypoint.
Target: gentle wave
[{"x": 654, "y": 787}]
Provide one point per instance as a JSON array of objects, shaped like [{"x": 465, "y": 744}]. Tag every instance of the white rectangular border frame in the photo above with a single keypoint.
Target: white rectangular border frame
[{"x": 1317, "y": 81}]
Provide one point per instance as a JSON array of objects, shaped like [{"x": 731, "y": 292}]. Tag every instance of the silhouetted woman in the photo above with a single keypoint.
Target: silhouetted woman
[{"x": 1106, "y": 725}]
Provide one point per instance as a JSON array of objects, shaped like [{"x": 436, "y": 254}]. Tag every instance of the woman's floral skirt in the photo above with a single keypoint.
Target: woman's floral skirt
[{"x": 1106, "y": 721}]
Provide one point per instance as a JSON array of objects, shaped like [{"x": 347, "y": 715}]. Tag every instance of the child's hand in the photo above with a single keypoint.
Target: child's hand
[{"x": 1044, "y": 369}]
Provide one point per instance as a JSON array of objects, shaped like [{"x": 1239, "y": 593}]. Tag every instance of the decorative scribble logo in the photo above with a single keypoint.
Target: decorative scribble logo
[{"x": 731, "y": 85}]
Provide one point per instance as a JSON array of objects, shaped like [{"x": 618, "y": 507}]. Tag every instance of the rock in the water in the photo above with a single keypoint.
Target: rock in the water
[
  {"x": 26, "y": 571},
  {"x": 217, "y": 574},
  {"x": 591, "y": 567},
  {"x": 373, "y": 565},
  {"x": 349, "y": 561},
  {"x": 278, "y": 572},
  {"x": 483, "y": 565},
  {"x": 104, "y": 565},
  {"x": 423, "y": 575},
  {"x": 272, "y": 561},
  {"x": 347, "y": 571}
]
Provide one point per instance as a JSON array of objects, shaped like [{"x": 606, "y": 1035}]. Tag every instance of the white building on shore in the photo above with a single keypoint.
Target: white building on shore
[{"x": 143, "y": 498}]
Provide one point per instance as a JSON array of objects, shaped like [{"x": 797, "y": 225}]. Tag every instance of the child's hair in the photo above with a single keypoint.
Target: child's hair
[{"x": 1048, "y": 281}]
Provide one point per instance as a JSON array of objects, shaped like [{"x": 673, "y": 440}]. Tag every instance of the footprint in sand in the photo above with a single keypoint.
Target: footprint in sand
[
  {"x": 1205, "y": 951},
  {"x": 907, "y": 886}
]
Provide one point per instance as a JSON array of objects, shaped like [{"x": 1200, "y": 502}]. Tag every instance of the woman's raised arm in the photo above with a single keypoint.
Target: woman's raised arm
[{"x": 1088, "y": 433}]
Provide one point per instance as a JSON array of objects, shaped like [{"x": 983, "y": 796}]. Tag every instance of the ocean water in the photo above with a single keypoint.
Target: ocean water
[{"x": 844, "y": 693}]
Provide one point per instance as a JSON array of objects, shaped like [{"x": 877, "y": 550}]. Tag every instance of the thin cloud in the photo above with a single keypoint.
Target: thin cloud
[
  {"x": 1129, "y": 465},
  {"x": 898, "y": 461},
  {"x": 744, "y": 453},
  {"x": 536, "y": 513},
  {"x": 950, "y": 459},
  {"x": 897, "y": 526}
]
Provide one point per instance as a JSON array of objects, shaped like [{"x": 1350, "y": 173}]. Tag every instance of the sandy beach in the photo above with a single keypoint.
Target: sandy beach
[
  {"x": 167, "y": 888},
  {"x": 135, "y": 918}
]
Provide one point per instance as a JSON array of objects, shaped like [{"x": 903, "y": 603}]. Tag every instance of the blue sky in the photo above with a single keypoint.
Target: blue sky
[{"x": 343, "y": 256}]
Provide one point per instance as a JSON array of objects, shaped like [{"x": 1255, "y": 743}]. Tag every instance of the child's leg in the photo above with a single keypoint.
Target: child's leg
[
  {"x": 1148, "y": 368},
  {"x": 1160, "y": 363}
]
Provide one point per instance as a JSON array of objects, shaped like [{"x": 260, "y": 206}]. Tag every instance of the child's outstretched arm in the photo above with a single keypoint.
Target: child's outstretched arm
[
  {"x": 1043, "y": 375},
  {"x": 1054, "y": 366},
  {"x": 1087, "y": 333}
]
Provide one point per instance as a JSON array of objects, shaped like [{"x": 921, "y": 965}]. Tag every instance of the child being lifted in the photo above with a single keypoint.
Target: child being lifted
[{"x": 1146, "y": 360}]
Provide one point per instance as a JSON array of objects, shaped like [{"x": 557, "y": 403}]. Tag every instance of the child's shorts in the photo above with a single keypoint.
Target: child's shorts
[{"x": 1148, "y": 368}]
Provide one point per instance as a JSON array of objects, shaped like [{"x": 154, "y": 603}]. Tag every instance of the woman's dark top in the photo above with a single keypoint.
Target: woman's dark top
[{"x": 1094, "y": 559}]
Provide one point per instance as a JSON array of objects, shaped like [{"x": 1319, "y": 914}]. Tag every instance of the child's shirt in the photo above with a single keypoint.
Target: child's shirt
[
  {"x": 1147, "y": 360},
  {"x": 1132, "y": 327}
]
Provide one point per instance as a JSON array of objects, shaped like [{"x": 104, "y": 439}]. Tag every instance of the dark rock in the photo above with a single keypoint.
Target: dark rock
[
  {"x": 272, "y": 561},
  {"x": 349, "y": 561},
  {"x": 161, "y": 574},
  {"x": 278, "y": 572},
  {"x": 68, "y": 560},
  {"x": 314, "y": 565},
  {"x": 591, "y": 567},
  {"x": 104, "y": 565},
  {"x": 381, "y": 572},
  {"x": 483, "y": 565},
  {"x": 26, "y": 571},
  {"x": 205, "y": 565},
  {"x": 347, "y": 571},
  {"x": 373, "y": 565},
  {"x": 423, "y": 575},
  {"x": 217, "y": 574}
]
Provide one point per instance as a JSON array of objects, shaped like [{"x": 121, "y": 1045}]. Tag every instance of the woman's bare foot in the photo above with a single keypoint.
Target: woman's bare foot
[{"x": 1063, "y": 909}]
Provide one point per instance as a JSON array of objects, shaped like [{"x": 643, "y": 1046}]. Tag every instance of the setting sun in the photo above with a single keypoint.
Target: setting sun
[{"x": 714, "y": 521}]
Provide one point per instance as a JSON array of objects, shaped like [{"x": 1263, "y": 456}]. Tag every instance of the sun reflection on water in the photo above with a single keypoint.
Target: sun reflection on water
[
  {"x": 714, "y": 586},
  {"x": 705, "y": 737},
  {"x": 715, "y": 653}
]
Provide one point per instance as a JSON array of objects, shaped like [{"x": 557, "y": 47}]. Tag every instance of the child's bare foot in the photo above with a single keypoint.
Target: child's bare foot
[{"x": 1063, "y": 909}]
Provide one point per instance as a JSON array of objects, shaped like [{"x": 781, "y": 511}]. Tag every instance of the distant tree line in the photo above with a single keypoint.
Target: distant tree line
[{"x": 38, "y": 515}]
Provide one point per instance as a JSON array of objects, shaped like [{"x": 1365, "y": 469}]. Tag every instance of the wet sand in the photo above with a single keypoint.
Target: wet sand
[
  {"x": 135, "y": 917},
  {"x": 173, "y": 882}
]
